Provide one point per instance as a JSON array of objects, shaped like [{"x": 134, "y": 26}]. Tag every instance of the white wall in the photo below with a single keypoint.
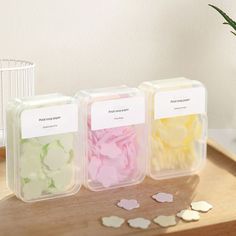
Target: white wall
[{"x": 79, "y": 44}]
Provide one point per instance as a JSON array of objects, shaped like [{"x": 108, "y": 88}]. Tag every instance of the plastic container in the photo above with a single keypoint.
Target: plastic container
[
  {"x": 177, "y": 127},
  {"x": 113, "y": 136},
  {"x": 42, "y": 147}
]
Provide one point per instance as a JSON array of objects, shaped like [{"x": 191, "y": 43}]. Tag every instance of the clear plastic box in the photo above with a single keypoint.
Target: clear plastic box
[
  {"x": 113, "y": 136},
  {"x": 42, "y": 154},
  {"x": 177, "y": 127}
]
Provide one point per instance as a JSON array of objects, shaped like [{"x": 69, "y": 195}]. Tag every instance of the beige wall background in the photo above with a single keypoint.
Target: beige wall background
[{"x": 80, "y": 44}]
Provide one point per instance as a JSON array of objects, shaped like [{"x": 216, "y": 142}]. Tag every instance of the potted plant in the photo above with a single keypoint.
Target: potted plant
[
  {"x": 229, "y": 21},
  {"x": 224, "y": 139}
]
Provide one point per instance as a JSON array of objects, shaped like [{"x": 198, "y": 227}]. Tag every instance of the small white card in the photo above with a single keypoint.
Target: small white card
[
  {"x": 51, "y": 120},
  {"x": 180, "y": 102},
  {"x": 117, "y": 113}
]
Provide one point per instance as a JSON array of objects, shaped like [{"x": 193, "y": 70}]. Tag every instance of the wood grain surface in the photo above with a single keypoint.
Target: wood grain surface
[
  {"x": 221, "y": 148},
  {"x": 2, "y": 153},
  {"x": 81, "y": 214}
]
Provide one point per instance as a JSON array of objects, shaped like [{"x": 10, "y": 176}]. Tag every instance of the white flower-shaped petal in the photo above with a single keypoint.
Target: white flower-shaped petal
[
  {"x": 128, "y": 204},
  {"x": 202, "y": 206},
  {"x": 112, "y": 221},
  {"x": 188, "y": 215},
  {"x": 163, "y": 197},
  {"x": 141, "y": 223},
  {"x": 165, "y": 221}
]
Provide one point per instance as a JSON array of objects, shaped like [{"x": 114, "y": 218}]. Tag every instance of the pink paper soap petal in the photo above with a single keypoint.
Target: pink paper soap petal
[
  {"x": 93, "y": 167},
  {"x": 163, "y": 197},
  {"x": 128, "y": 204},
  {"x": 110, "y": 150},
  {"x": 107, "y": 176}
]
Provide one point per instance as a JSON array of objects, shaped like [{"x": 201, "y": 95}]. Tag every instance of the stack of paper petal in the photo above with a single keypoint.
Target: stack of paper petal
[
  {"x": 173, "y": 142},
  {"x": 46, "y": 165},
  {"x": 113, "y": 155}
]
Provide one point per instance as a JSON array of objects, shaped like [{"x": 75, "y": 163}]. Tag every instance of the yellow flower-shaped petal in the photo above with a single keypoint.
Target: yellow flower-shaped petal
[
  {"x": 165, "y": 221},
  {"x": 112, "y": 221}
]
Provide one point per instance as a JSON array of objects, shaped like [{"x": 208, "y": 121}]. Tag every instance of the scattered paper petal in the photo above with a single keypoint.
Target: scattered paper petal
[
  {"x": 202, "y": 206},
  {"x": 163, "y": 197},
  {"x": 139, "y": 223},
  {"x": 128, "y": 204},
  {"x": 112, "y": 221},
  {"x": 165, "y": 221},
  {"x": 188, "y": 215}
]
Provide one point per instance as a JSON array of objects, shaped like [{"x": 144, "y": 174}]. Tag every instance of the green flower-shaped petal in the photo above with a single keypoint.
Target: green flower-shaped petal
[
  {"x": 33, "y": 189},
  {"x": 55, "y": 157}
]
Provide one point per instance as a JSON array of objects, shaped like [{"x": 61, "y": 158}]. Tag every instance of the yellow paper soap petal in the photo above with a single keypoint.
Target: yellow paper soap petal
[
  {"x": 174, "y": 141},
  {"x": 165, "y": 221},
  {"x": 173, "y": 135}
]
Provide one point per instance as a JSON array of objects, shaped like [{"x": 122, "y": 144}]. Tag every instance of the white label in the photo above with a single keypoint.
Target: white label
[
  {"x": 179, "y": 102},
  {"x": 117, "y": 113},
  {"x": 49, "y": 121}
]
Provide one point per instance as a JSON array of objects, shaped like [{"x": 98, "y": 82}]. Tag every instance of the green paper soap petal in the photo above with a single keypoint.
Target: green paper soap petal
[
  {"x": 33, "y": 189},
  {"x": 31, "y": 148},
  {"x": 56, "y": 158},
  {"x": 63, "y": 179},
  {"x": 44, "y": 167},
  {"x": 71, "y": 156},
  {"x": 66, "y": 141},
  {"x": 29, "y": 166},
  {"x": 47, "y": 139}
]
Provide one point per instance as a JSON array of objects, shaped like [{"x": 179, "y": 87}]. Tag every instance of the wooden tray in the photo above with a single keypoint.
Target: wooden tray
[{"x": 80, "y": 214}]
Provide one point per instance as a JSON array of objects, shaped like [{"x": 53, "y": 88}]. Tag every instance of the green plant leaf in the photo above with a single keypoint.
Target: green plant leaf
[
  {"x": 230, "y": 21},
  {"x": 233, "y": 33}
]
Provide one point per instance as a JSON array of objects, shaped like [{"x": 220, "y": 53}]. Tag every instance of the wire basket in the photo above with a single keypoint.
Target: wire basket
[{"x": 16, "y": 80}]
